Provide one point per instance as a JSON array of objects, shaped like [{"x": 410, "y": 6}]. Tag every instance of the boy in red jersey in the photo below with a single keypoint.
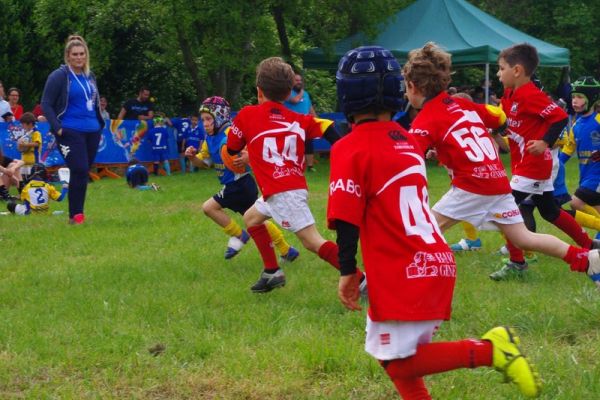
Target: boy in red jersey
[
  {"x": 378, "y": 191},
  {"x": 275, "y": 137},
  {"x": 480, "y": 193},
  {"x": 534, "y": 123}
]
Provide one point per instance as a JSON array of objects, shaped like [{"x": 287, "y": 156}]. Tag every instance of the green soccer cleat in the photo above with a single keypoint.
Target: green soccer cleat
[
  {"x": 511, "y": 362},
  {"x": 510, "y": 270}
]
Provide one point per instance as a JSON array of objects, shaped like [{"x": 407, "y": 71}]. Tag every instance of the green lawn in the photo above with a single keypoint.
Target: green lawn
[{"x": 81, "y": 306}]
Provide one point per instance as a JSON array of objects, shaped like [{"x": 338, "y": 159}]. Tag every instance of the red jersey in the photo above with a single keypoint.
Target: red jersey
[
  {"x": 275, "y": 137},
  {"x": 529, "y": 114},
  {"x": 378, "y": 183},
  {"x": 457, "y": 129}
]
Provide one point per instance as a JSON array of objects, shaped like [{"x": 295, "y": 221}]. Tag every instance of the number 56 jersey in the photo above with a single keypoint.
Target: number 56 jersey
[
  {"x": 378, "y": 183},
  {"x": 457, "y": 129},
  {"x": 275, "y": 137}
]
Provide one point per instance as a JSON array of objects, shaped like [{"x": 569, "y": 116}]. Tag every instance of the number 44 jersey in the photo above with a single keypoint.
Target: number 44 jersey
[
  {"x": 276, "y": 138},
  {"x": 458, "y": 130},
  {"x": 378, "y": 183}
]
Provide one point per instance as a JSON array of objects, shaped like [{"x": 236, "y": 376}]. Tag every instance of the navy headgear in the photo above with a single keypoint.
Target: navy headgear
[{"x": 369, "y": 78}]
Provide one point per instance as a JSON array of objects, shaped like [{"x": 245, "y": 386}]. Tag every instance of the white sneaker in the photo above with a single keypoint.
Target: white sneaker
[{"x": 594, "y": 267}]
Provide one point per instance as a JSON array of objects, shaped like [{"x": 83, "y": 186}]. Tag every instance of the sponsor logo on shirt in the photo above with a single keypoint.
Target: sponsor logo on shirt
[
  {"x": 429, "y": 265},
  {"x": 420, "y": 132},
  {"x": 548, "y": 110},
  {"x": 286, "y": 224},
  {"x": 513, "y": 123},
  {"x": 345, "y": 185},
  {"x": 396, "y": 136},
  {"x": 235, "y": 130},
  {"x": 513, "y": 108},
  {"x": 384, "y": 339}
]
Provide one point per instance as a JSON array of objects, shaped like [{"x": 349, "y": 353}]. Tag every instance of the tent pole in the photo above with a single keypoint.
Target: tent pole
[{"x": 487, "y": 83}]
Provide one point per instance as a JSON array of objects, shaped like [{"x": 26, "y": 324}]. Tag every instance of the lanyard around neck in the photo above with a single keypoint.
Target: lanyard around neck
[{"x": 85, "y": 92}]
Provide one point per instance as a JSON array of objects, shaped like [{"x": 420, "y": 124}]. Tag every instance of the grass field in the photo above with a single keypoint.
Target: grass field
[{"x": 139, "y": 303}]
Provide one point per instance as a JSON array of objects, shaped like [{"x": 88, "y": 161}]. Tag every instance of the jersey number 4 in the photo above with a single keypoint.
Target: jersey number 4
[
  {"x": 271, "y": 153},
  {"x": 416, "y": 215}
]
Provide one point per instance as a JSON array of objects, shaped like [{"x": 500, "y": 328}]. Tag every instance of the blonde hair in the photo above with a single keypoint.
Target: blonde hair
[
  {"x": 428, "y": 68},
  {"x": 275, "y": 78},
  {"x": 74, "y": 41}
]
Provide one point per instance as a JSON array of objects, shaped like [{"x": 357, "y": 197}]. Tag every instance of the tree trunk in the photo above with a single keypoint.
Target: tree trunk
[
  {"x": 190, "y": 63},
  {"x": 277, "y": 12}
]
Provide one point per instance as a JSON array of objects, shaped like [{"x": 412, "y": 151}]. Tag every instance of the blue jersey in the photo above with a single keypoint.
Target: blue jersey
[
  {"x": 194, "y": 136},
  {"x": 181, "y": 127},
  {"x": 159, "y": 137},
  {"x": 586, "y": 133},
  {"x": 212, "y": 148}
]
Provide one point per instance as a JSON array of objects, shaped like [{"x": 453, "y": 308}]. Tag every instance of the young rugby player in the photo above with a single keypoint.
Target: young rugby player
[
  {"x": 275, "y": 137},
  {"x": 239, "y": 190},
  {"x": 534, "y": 123},
  {"x": 378, "y": 192},
  {"x": 480, "y": 193}
]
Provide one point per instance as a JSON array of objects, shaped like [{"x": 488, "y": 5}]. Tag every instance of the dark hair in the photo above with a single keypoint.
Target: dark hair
[
  {"x": 13, "y": 89},
  {"x": 275, "y": 78},
  {"x": 28, "y": 118},
  {"x": 428, "y": 68},
  {"x": 522, "y": 54},
  {"x": 133, "y": 161},
  {"x": 143, "y": 89}
]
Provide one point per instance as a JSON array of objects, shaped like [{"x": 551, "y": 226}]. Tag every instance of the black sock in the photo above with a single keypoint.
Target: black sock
[
  {"x": 3, "y": 192},
  {"x": 271, "y": 271}
]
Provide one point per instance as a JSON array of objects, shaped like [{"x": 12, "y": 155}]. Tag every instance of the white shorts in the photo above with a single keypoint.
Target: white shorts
[
  {"x": 479, "y": 210},
  {"x": 389, "y": 340},
  {"x": 533, "y": 186},
  {"x": 289, "y": 209}
]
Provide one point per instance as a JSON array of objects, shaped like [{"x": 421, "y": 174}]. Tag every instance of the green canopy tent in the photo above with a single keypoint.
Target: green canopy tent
[{"x": 469, "y": 34}]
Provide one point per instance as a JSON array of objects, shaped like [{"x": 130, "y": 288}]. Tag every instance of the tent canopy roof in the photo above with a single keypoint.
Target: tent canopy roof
[{"x": 469, "y": 34}]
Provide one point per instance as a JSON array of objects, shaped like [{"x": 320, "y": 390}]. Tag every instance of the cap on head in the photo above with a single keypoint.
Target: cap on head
[
  {"x": 369, "y": 79},
  {"x": 219, "y": 108},
  {"x": 589, "y": 88}
]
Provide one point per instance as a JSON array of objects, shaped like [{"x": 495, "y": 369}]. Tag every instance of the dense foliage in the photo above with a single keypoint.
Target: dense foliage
[{"x": 186, "y": 50}]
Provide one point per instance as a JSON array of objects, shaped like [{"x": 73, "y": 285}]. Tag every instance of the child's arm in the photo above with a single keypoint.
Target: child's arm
[{"x": 347, "y": 241}]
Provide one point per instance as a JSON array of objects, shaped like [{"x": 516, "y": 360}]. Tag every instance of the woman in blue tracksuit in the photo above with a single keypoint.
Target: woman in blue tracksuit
[{"x": 71, "y": 103}]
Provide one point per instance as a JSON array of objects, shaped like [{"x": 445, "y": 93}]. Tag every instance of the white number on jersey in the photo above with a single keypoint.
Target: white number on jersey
[
  {"x": 416, "y": 215},
  {"x": 272, "y": 154},
  {"x": 478, "y": 146},
  {"x": 158, "y": 136}
]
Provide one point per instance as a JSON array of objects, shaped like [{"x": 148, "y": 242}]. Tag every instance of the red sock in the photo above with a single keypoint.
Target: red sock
[
  {"x": 566, "y": 223},
  {"x": 433, "y": 358},
  {"x": 412, "y": 388},
  {"x": 515, "y": 254},
  {"x": 261, "y": 237},
  {"x": 577, "y": 259},
  {"x": 329, "y": 252}
]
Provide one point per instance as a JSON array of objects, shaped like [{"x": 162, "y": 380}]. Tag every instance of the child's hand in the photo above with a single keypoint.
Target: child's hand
[
  {"x": 242, "y": 160},
  {"x": 431, "y": 154},
  {"x": 536, "y": 147},
  {"x": 191, "y": 151},
  {"x": 348, "y": 291}
]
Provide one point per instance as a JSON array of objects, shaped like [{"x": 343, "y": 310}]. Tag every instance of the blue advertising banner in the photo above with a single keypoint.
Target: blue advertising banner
[{"x": 121, "y": 140}]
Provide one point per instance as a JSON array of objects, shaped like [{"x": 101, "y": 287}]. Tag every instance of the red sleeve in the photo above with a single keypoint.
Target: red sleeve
[
  {"x": 346, "y": 184},
  {"x": 423, "y": 133},
  {"x": 235, "y": 139},
  {"x": 545, "y": 108}
]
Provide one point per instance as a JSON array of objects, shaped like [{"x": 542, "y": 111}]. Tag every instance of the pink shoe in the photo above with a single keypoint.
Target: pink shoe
[{"x": 77, "y": 219}]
